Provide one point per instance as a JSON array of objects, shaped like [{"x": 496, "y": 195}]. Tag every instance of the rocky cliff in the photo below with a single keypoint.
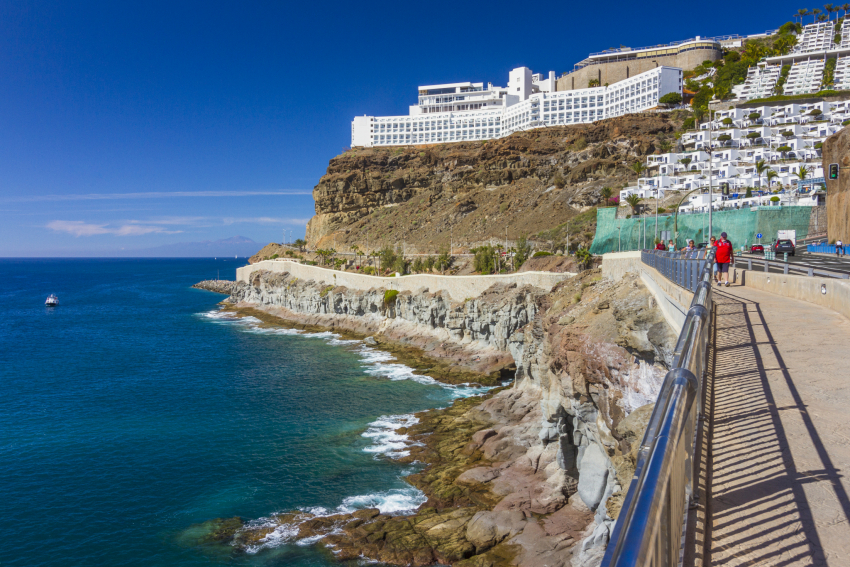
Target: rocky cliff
[
  {"x": 475, "y": 191},
  {"x": 535, "y": 474},
  {"x": 836, "y": 149}
]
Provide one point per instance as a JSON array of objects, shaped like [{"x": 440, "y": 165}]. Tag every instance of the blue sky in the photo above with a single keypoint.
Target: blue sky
[{"x": 136, "y": 124}]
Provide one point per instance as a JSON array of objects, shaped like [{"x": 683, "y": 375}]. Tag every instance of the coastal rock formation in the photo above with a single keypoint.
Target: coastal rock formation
[
  {"x": 534, "y": 474},
  {"x": 476, "y": 191},
  {"x": 218, "y": 286}
]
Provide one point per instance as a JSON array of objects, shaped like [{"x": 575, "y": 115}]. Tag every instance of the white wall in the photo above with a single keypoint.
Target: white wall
[
  {"x": 361, "y": 130},
  {"x": 519, "y": 83},
  {"x": 459, "y": 288}
]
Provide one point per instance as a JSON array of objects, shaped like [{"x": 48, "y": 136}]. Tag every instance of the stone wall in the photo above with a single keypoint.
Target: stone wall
[
  {"x": 836, "y": 149},
  {"x": 620, "y": 70},
  {"x": 458, "y": 288}
]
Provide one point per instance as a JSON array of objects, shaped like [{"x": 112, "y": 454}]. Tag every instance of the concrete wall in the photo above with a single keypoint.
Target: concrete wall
[
  {"x": 836, "y": 149},
  {"x": 620, "y": 70},
  {"x": 804, "y": 288},
  {"x": 674, "y": 301},
  {"x": 458, "y": 287}
]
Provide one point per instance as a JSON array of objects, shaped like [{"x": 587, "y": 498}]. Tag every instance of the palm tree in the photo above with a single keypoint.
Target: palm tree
[
  {"x": 845, "y": 7},
  {"x": 800, "y": 14},
  {"x": 827, "y": 8},
  {"x": 814, "y": 13},
  {"x": 802, "y": 173},
  {"x": 770, "y": 176},
  {"x": 761, "y": 167},
  {"x": 823, "y": 18},
  {"x": 638, "y": 168},
  {"x": 633, "y": 200},
  {"x": 665, "y": 146},
  {"x": 606, "y": 194}
]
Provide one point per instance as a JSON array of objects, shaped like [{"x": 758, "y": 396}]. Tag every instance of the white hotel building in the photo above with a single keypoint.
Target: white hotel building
[{"x": 468, "y": 111}]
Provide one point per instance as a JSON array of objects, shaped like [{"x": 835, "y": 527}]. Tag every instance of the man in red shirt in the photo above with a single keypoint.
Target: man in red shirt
[
  {"x": 725, "y": 257},
  {"x": 660, "y": 245}
]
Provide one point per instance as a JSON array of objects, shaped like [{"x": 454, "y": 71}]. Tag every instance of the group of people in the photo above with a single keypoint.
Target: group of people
[{"x": 724, "y": 256}]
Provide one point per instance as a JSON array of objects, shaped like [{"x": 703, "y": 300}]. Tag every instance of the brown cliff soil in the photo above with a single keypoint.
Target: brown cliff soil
[
  {"x": 476, "y": 191},
  {"x": 836, "y": 149},
  {"x": 497, "y": 493}
]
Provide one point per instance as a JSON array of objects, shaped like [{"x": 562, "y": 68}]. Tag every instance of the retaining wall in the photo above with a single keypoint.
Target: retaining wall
[
  {"x": 804, "y": 288},
  {"x": 674, "y": 301},
  {"x": 458, "y": 287}
]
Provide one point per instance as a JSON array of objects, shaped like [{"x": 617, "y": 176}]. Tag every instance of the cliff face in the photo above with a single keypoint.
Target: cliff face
[
  {"x": 536, "y": 474},
  {"x": 836, "y": 149},
  {"x": 474, "y": 191}
]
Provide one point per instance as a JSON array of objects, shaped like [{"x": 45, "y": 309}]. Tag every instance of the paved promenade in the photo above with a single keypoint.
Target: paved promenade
[{"x": 781, "y": 439}]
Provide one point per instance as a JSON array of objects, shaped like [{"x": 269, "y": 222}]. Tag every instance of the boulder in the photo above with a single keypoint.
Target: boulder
[
  {"x": 593, "y": 476},
  {"x": 487, "y": 529}
]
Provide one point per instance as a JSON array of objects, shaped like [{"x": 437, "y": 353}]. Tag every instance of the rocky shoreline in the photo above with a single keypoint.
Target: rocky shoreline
[
  {"x": 218, "y": 286},
  {"x": 531, "y": 474}
]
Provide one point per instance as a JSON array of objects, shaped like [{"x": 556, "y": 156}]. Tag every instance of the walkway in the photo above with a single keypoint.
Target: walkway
[{"x": 781, "y": 439}]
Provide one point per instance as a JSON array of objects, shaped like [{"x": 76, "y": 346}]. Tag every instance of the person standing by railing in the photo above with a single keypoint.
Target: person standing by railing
[
  {"x": 724, "y": 257},
  {"x": 713, "y": 244},
  {"x": 839, "y": 247},
  {"x": 689, "y": 247}
]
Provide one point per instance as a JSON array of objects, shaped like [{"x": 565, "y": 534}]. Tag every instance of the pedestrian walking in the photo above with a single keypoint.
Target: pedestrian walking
[
  {"x": 713, "y": 244},
  {"x": 725, "y": 257},
  {"x": 839, "y": 247},
  {"x": 671, "y": 246},
  {"x": 660, "y": 245},
  {"x": 689, "y": 247}
]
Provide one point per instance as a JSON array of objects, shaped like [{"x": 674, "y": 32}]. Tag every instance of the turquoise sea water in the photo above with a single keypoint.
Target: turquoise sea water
[{"x": 134, "y": 410}]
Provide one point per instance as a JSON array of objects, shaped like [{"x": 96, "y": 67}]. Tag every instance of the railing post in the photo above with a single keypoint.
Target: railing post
[
  {"x": 766, "y": 265},
  {"x": 785, "y": 269}
]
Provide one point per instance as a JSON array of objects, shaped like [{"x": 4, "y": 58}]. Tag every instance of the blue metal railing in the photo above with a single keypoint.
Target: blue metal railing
[
  {"x": 824, "y": 248},
  {"x": 649, "y": 530}
]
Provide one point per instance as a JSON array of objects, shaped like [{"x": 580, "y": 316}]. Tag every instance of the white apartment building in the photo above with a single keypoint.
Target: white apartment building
[
  {"x": 468, "y": 111},
  {"x": 785, "y": 137}
]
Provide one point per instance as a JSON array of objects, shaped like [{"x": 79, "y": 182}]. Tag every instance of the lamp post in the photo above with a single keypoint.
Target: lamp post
[{"x": 710, "y": 177}]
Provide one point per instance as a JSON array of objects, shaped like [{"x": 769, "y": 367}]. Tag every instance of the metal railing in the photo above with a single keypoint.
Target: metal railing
[
  {"x": 650, "y": 529},
  {"x": 800, "y": 269}
]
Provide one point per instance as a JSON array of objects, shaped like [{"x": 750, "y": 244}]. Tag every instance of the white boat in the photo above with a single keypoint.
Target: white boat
[{"x": 52, "y": 300}]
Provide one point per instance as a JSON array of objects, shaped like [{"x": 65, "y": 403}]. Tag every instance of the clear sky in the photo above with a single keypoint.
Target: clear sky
[{"x": 136, "y": 124}]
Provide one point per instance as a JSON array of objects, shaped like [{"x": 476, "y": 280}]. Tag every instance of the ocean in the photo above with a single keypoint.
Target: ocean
[{"x": 135, "y": 410}]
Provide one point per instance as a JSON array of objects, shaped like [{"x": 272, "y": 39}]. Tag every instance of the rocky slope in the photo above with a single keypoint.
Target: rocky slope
[
  {"x": 533, "y": 475},
  {"x": 476, "y": 191}
]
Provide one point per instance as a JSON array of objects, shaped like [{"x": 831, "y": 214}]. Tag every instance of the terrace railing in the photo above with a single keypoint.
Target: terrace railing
[{"x": 651, "y": 528}]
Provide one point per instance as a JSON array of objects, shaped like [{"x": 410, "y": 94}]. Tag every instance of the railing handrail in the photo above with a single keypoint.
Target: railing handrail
[{"x": 648, "y": 531}]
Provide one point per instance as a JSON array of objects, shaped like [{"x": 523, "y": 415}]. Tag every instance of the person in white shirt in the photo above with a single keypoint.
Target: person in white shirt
[{"x": 839, "y": 248}]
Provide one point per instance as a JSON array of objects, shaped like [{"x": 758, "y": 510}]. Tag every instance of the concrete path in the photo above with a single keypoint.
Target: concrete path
[{"x": 781, "y": 439}]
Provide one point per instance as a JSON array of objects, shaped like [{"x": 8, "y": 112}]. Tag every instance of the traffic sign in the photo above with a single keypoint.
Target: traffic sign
[{"x": 758, "y": 235}]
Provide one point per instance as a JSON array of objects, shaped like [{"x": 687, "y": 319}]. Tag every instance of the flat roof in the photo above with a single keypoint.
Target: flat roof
[{"x": 449, "y": 85}]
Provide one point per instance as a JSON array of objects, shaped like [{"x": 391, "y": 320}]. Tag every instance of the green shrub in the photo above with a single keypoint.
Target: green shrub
[
  {"x": 819, "y": 145},
  {"x": 724, "y": 138},
  {"x": 780, "y": 82},
  {"x": 671, "y": 98},
  {"x": 732, "y": 57},
  {"x": 702, "y": 97},
  {"x": 558, "y": 181},
  {"x": 727, "y": 121},
  {"x": 754, "y": 115},
  {"x": 484, "y": 261},
  {"x": 326, "y": 290},
  {"x": 275, "y": 256},
  {"x": 390, "y": 296},
  {"x": 541, "y": 254},
  {"x": 689, "y": 123},
  {"x": 774, "y": 199}
]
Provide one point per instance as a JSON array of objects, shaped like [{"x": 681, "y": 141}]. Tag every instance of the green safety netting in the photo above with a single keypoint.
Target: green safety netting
[{"x": 741, "y": 225}]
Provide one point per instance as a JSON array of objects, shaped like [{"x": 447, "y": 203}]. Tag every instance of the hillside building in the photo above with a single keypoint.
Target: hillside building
[{"x": 457, "y": 112}]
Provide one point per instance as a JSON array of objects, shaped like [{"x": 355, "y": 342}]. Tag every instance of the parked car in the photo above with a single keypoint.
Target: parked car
[
  {"x": 784, "y": 246},
  {"x": 756, "y": 248}
]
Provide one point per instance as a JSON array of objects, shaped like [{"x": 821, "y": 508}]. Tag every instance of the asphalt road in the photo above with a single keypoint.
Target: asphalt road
[{"x": 816, "y": 261}]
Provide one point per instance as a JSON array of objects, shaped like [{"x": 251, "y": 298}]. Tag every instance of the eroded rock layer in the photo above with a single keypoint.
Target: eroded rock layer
[
  {"x": 535, "y": 473},
  {"x": 474, "y": 191}
]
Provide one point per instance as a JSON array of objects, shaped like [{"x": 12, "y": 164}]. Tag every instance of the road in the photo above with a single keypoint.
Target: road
[{"x": 816, "y": 261}]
